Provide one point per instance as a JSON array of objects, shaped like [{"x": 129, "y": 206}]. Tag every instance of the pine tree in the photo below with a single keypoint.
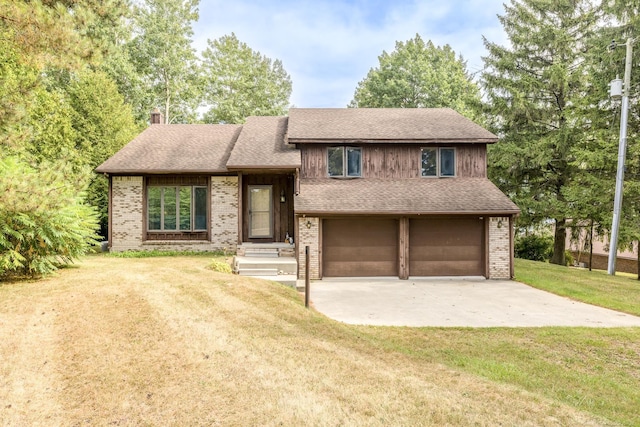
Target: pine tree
[{"x": 534, "y": 89}]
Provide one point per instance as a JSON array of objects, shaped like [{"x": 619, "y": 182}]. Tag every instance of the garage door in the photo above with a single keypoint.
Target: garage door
[
  {"x": 446, "y": 247},
  {"x": 359, "y": 247}
]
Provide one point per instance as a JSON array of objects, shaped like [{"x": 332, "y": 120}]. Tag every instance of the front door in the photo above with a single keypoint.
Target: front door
[{"x": 260, "y": 212}]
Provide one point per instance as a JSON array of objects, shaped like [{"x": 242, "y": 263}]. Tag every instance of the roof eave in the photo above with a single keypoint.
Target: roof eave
[
  {"x": 395, "y": 141},
  {"x": 159, "y": 171},
  {"x": 254, "y": 167},
  {"x": 405, "y": 212}
]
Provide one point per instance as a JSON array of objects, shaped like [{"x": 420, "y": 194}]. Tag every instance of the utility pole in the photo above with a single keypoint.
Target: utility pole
[{"x": 622, "y": 153}]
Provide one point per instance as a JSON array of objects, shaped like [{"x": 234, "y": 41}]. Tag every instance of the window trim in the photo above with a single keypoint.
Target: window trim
[
  {"x": 177, "y": 230},
  {"x": 438, "y": 151},
  {"x": 345, "y": 161}
]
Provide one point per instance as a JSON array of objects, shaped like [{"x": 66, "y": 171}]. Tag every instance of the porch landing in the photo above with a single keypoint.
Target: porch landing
[{"x": 270, "y": 261}]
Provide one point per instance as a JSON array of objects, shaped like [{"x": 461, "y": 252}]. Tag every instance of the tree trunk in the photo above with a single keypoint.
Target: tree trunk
[{"x": 559, "y": 243}]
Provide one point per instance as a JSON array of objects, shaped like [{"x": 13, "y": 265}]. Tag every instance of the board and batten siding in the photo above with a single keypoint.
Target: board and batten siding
[{"x": 386, "y": 161}]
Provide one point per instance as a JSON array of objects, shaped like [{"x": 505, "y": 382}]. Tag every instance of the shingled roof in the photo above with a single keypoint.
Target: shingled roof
[
  {"x": 261, "y": 145},
  {"x": 307, "y": 125},
  {"x": 401, "y": 197},
  {"x": 175, "y": 149}
]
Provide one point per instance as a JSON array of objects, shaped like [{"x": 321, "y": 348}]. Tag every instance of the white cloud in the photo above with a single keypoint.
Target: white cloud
[{"x": 329, "y": 46}]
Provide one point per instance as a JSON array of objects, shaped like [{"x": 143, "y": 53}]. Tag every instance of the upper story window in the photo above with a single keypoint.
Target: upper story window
[
  {"x": 177, "y": 208},
  {"x": 438, "y": 161},
  {"x": 344, "y": 161}
]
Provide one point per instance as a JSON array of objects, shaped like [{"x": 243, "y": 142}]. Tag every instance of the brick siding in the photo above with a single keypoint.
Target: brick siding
[
  {"x": 309, "y": 237},
  {"x": 499, "y": 248},
  {"x": 224, "y": 212},
  {"x": 128, "y": 222}
]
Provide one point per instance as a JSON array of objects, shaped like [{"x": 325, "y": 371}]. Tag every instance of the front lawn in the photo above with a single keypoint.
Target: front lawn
[
  {"x": 167, "y": 341},
  {"x": 620, "y": 292}
]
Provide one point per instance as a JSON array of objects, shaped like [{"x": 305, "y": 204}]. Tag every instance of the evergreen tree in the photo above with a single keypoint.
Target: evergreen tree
[
  {"x": 239, "y": 82},
  {"x": 418, "y": 75},
  {"x": 535, "y": 88}
]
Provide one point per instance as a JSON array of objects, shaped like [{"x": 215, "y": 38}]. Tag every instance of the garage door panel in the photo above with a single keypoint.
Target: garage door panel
[
  {"x": 446, "y": 253},
  {"x": 446, "y": 247},
  {"x": 381, "y": 253},
  {"x": 445, "y": 268},
  {"x": 357, "y": 247},
  {"x": 362, "y": 269}
]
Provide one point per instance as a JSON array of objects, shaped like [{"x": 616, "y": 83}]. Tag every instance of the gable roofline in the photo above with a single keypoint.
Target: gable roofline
[{"x": 384, "y": 125}]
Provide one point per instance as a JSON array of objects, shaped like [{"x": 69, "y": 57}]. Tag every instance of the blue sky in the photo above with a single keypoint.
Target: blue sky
[{"x": 328, "y": 46}]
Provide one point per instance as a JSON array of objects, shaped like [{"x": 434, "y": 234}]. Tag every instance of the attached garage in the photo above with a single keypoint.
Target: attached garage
[
  {"x": 446, "y": 247},
  {"x": 360, "y": 247}
]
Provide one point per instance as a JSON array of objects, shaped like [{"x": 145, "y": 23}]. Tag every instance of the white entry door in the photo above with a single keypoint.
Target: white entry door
[{"x": 260, "y": 212}]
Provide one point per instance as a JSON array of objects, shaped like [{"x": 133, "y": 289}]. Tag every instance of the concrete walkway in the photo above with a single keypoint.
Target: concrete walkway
[{"x": 472, "y": 302}]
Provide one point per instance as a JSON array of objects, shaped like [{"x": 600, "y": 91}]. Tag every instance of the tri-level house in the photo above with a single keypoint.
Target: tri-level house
[{"x": 371, "y": 192}]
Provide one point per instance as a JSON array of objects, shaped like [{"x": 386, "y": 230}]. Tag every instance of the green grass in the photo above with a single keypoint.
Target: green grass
[
  {"x": 161, "y": 253},
  {"x": 265, "y": 344},
  {"x": 593, "y": 369},
  {"x": 620, "y": 292}
]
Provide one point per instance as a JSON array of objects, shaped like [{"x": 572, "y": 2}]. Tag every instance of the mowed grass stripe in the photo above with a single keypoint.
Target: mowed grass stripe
[{"x": 166, "y": 341}]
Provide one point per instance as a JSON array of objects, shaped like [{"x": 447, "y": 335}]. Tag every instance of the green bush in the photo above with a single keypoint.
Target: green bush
[
  {"x": 44, "y": 222},
  {"x": 534, "y": 247},
  {"x": 220, "y": 266},
  {"x": 568, "y": 257}
]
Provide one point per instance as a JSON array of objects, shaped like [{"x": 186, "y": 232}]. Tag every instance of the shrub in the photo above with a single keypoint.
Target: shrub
[
  {"x": 220, "y": 266},
  {"x": 534, "y": 247},
  {"x": 44, "y": 222},
  {"x": 569, "y": 259}
]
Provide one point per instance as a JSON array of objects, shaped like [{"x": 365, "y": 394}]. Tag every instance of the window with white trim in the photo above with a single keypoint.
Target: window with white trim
[
  {"x": 344, "y": 161},
  {"x": 177, "y": 208},
  {"x": 438, "y": 162}
]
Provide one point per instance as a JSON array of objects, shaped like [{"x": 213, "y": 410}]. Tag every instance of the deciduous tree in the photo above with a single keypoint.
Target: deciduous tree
[
  {"x": 417, "y": 75},
  {"x": 164, "y": 58},
  {"x": 240, "y": 82}
]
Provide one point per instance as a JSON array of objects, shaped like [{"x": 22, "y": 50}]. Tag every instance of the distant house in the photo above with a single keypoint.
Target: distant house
[
  {"x": 598, "y": 256},
  {"x": 372, "y": 192}
]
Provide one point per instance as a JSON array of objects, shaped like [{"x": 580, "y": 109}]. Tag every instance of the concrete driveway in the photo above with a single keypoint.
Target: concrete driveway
[{"x": 472, "y": 302}]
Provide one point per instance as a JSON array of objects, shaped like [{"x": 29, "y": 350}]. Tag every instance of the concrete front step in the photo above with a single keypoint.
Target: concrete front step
[
  {"x": 287, "y": 280},
  {"x": 267, "y": 253},
  {"x": 258, "y": 271},
  {"x": 256, "y": 266}
]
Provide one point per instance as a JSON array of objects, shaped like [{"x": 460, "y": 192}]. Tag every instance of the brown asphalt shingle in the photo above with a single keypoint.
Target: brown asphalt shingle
[
  {"x": 261, "y": 145},
  {"x": 383, "y": 125},
  {"x": 175, "y": 149},
  {"x": 407, "y": 196}
]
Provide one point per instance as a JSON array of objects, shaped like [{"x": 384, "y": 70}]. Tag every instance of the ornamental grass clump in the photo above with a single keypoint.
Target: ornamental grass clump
[{"x": 44, "y": 222}]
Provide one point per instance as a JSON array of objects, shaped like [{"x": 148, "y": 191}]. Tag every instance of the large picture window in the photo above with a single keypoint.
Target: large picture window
[
  {"x": 438, "y": 162},
  {"x": 177, "y": 208},
  {"x": 344, "y": 161}
]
